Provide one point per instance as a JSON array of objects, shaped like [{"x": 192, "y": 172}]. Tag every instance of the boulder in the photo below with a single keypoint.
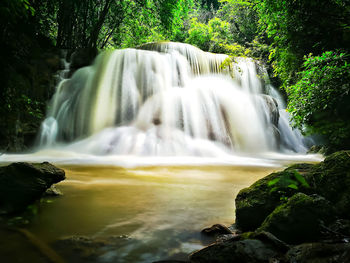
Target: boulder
[
  {"x": 23, "y": 183},
  {"x": 319, "y": 253},
  {"x": 299, "y": 220},
  {"x": 216, "y": 230},
  {"x": 250, "y": 250},
  {"x": 255, "y": 203},
  {"x": 331, "y": 179}
]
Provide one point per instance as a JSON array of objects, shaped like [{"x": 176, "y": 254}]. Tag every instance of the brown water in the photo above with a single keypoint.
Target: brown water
[{"x": 160, "y": 209}]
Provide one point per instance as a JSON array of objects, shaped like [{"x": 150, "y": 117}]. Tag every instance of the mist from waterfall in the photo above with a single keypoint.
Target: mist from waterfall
[{"x": 168, "y": 99}]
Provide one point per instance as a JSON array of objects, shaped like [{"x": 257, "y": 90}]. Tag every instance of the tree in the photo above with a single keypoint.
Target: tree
[
  {"x": 297, "y": 28},
  {"x": 320, "y": 101}
]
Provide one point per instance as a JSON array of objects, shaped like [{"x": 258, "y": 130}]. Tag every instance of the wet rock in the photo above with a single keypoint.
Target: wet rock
[
  {"x": 80, "y": 249},
  {"x": 319, "y": 253},
  {"x": 255, "y": 203},
  {"x": 300, "y": 219},
  {"x": 81, "y": 58},
  {"x": 340, "y": 228},
  {"x": 216, "y": 230},
  {"x": 233, "y": 250},
  {"x": 53, "y": 191},
  {"x": 331, "y": 179},
  {"x": 272, "y": 106},
  {"x": 23, "y": 183}
]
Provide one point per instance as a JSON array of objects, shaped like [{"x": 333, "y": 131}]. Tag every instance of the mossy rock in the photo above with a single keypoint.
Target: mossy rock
[
  {"x": 249, "y": 248},
  {"x": 255, "y": 203},
  {"x": 300, "y": 219},
  {"x": 320, "y": 253},
  {"x": 331, "y": 179}
]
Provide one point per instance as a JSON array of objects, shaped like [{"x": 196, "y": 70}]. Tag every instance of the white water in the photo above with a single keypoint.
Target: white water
[{"x": 167, "y": 100}]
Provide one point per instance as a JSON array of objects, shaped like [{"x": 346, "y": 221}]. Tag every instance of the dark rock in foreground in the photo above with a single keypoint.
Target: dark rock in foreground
[
  {"x": 244, "y": 249},
  {"x": 300, "y": 219},
  {"x": 329, "y": 179},
  {"x": 320, "y": 253},
  {"x": 23, "y": 183}
]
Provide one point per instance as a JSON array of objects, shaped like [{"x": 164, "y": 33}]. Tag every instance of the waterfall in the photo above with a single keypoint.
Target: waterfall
[{"x": 168, "y": 99}]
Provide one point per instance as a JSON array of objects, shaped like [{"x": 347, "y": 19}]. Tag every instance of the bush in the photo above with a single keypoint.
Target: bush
[{"x": 320, "y": 101}]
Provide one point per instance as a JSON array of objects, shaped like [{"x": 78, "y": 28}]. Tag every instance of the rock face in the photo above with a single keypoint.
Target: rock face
[
  {"x": 23, "y": 183},
  {"x": 81, "y": 58},
  {"x": 27, "y": 84}
]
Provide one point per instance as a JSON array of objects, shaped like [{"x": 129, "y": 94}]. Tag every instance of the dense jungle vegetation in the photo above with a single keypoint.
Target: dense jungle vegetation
[{"x": 307, "y": 44}]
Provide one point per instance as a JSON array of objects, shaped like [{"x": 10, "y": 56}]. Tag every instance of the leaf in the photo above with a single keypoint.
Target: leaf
[
  {"x": 301, "y": 179},
  {"x": 273, "y": 182},
  {"x": 293, "y": 186}
]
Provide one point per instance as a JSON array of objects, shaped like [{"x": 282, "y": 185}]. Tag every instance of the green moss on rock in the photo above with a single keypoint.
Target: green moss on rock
[
  {"x": 300, "y": 219},
  {"x": 255, "y": 203}
]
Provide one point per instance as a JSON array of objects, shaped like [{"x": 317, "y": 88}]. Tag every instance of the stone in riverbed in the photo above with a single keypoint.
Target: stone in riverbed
[
  {"x": 216, "y": 230},
  {"x": 81, "y": 249},
  {"x": 23, "y": 183}
]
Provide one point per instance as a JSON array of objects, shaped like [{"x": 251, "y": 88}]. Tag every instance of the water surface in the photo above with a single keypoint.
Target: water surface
[{"x": 160, "y": 209}]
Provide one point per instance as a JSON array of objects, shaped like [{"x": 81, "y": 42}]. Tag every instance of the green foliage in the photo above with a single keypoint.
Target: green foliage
[
  {"x": 199, "y": 35},
  {"x": 321, "y": 100},
  {"x": 298, "y": 27},
  {"x": 214, "y": 37},
  {"x": 242, "y": 18},
  {"x": 32, "y": 107},
  {"x": 292, "y": 180}
]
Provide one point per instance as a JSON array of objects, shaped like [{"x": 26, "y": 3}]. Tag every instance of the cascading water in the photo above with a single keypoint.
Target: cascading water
[
  {"x": 134, "y": 108},
  {"x": 167, "y": 99}
]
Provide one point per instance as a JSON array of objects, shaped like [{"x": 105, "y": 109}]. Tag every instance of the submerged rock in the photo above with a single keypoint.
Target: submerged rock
[
  {"x": 81, "y": 249},
  {"x": 53, "y": 191},
  {"x": 23, "y": 183}
]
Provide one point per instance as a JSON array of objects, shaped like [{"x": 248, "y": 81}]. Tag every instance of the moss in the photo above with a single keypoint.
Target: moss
[
  {"x": 330, "y": 179},
  {"x": 261, "y": 198},
  {"x": 300, "y": 219}
]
